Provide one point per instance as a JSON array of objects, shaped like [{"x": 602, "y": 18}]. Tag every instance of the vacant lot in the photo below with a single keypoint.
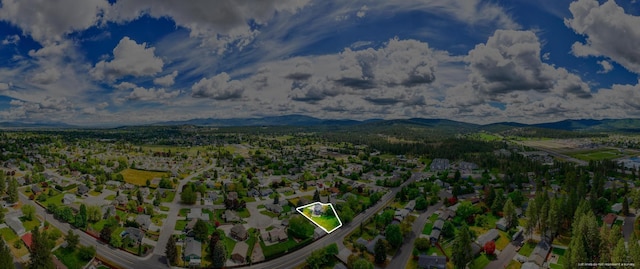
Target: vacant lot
[
  {"x": 140, "y": 177},
  {"x": 328, "y": 222}
]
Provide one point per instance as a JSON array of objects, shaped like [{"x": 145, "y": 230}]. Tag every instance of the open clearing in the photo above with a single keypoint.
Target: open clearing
[
  {"x": 139, "y": 177},
  {"x": 597, "y": 154},
  {"x": 327, "y": 220}
]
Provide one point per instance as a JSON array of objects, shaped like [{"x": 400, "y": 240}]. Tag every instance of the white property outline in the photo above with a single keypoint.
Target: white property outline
[{"x": 327, "y": 204}]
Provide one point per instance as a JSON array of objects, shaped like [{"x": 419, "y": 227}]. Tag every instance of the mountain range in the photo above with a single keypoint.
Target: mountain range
[{"x": 586, "y": 125}]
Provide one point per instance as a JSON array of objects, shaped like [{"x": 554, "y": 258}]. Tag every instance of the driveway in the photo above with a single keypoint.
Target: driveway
[
  {"x": 627, "y": 227},
  {"x": 505, "y": 256}
]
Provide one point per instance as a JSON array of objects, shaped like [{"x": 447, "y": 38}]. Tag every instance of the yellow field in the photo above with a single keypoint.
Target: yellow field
[{"x": 139, "y": 177}]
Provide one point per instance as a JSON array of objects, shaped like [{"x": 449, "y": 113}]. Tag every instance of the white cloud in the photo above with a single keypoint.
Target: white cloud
[
  {"x": 510, "y": 61},
  {"x": 219, "y": 87},
  {"x": 151, "y": 95},
  {"x": 4, "y": 86},
  {"x": 129, "y": 59},
  {"x": 167, "y": 80},
  {"x": 606, "y": 67},
  {"x": 218, "y": 23},
  {"x": 609, "y": 30},
  {"x": 362, "y": 12},
  {"x": 50, "y": 21},
  {"x": 48, "y": 76},
  {"x": 11, "y": 40}
]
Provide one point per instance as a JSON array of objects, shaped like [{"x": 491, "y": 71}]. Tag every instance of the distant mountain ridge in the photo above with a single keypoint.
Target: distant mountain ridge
[{"x": 587, "y": 125}]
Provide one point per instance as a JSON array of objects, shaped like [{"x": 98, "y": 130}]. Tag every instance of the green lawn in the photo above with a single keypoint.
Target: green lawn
[
  {"x": 329, "y": 222},
  {"x": 433, "y": 218},
  {"x": 480, "y": 262},
  {"x": 229, "y": 244},
  {"x": 70, "y": 258},
  {"x": 514, "y": 265},
  {"x": 427, "y": 228},
  {"x": 597, "y": 154},
  {"x": 527, "y": 248},
  {"x": 98, "y": 225},
  {"x": 110, "y": 197},
  {"x": 278, "y": 248},
  {"x": 30, "y": 224},
  {"x": 502, "y": 241},
  {"x": 244, "y": 213},
  {"x": 269, "y": 213},
  {"x": 56, "y": 200},
  {"x": 183, "y": 212},
  {"x": 8, "y": 234},
  {"x": 169, "y": 198}
]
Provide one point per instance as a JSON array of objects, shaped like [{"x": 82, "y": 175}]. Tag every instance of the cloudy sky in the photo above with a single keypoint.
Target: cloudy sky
[{"x": 93, "y": 62}]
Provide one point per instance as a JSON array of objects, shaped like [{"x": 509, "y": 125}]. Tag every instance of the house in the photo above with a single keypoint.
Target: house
[
  {"x": 15, "y": 224},
  {"x": 211, "y": 196},
  {"x": 27, "y": 239},
  {"x": 609, "y": 219},
  {"x": 134, "y": 233},
  {"x": 239, "y": 233},
  {"x": 401, "y": 214},
  {"x": 317, "y": 210},
  {"x": 108, "y": 211},
  {"x": 231, "y": 216},
  {"x": 121, "y": 200},
  {"x": 501, "y": 224},
  {"x": 372, "y": 244},
  {"x": 490, "y": 235},
  {"x": 439, "y": 165},
  {"x": 410, "y": 205},
  {"x": 239, "y": 252},
  {"x": 362, "y": 241},
  {"x": 233, "y": 196},
  {"x": 540, "y": 252},
  {"x": 253, "y": 193},
  {"x": 144, "y": 221},
  {"x": 193, "y": 251},
  {"x": 36, "y": 189},
  {"x": 82, "y": 190},
  {"x": 68, "y": 198},
  {"x": 278, "y": 235},
  {"x": 196, "y": 213},
  {"x": 434, "y": 236},
  {"x": 266, "y": 192},
  {"x": 432, "y": 262},
  {"x": 616, "y": 208},
  {"x": 275, "y": 208}
]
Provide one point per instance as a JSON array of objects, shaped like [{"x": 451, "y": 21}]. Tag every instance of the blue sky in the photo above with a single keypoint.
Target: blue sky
[{"x": 98, "y": 62}]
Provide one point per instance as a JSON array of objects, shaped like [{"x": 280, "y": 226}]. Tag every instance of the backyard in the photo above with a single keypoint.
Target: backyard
[{"x": 140, "y": 177}]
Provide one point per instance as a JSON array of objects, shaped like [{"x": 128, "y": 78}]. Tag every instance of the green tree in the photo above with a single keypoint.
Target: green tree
[
  {"x": 219, "y": 255},
  {"x": 316, "y": 196},
  {"x": 40, "y": 251},
  {"x": 201, "y": 230},
  {"x": 346, "y": 214},
  {"x": 6, "y": 258},
  {"x": 466, "y": 210},
  {"x": 509, "y": 213},
  {"x": 393, "y": 235},
  {"x": 187, "y": 196},
  {"x": 3, "y": 183},
  {"x": 12, "y": 191},
  {"x": 421, "y": 203},
  {"x": 94, "y": 213},
  {"x": 625, "y": 206},
  {"x": 634, "y": 250},
  {"x": 28, "y": 211},
  {"x": 498, "y": 202},
  {"x": 171, "y": 251},
  {"x": 461, "y": 250},
  {"x": 81, "y": 218},
  {"x": 362, "y": 264},
  {"x": 300, "y": 227},
  {"x": 380, "y": 251},
  {"x": 105, "y": 233},
  {"x": 620, "y": 254},
  {"x": 317, "y": 259},
  {"x": 86, "y": 253},
  {"x": 276, "y": 199},
  {"x": 448, "y": 229},
  {"x": 116, "y": 241},
  {"x": 72, "y": 239}
]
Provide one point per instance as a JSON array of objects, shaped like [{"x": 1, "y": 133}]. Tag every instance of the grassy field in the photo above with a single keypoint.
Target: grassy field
[
  {"x": 480, "y": 262},
  {"x": 328, "y": 222},
  {"x": 140, "y": 177},
  {"x": 527, "y": 248},
  {"x": 8, "y": 235},
  {"x": 427, "y": 228},
  {"x": 597, "y": 155}
]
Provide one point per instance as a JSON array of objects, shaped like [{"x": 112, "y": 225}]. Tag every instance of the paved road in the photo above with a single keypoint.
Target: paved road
[
  {"x": 291, "y": 260},
  {"x": 403, "y": 254},
  {"x": 169, "y": 224},
  {"x": 627, "y": 227},
  {"x": 118, "y": 257},
  {"x": 505, "y": 256}
]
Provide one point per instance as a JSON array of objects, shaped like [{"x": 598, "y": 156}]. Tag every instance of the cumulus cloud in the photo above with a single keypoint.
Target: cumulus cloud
[
  {"x": 219, "y": 87},
  {"x": 4, "y": 86},
  {"x": 606, "y": 67},
  {"x": 510, "y": 61},
  {"x": 129, "y": 59},
  {"x": 219, "y": 23},
  {"x": 610, "y": 32},
  {"x": 11, "y": 40},
  {"x": 48, "y": 76},
  {"x": 50, "y": 21},
  {"x": 151, "y": 95},
  {"x": 167, "y": 80},
  {"x": 399, "y": 62},
  {"x": 362, "y": 12}
]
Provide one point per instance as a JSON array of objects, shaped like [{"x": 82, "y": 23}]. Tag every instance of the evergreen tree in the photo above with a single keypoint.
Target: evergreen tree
[
  {"x": 575, "y": 253},
  {"x": 6, "y": 259},
  {"x": 219, "y": 255},
  {"x": 12, "y": 191},
  {"x": 461, "y": 251},
  {"x": 200, "y": 230},
  {"x": 394, "y": 235},
  {"x": 276, "y": 199},
  {"x": 72, "y": 239},
  {"x": 625, "y": 206},
  {"x": 634, "y": 250},
  {"x": 40, "y": 251},
  {"x": 171, "y": 251},
  {"x": 380, "y": 252},
  {"x": 510, "y": 214},
  {"x": 81, "y": 218},
  {"x": 620, "y": 254},
  {"x": 316, "y": 196},
  {"x": 3, "y": 182}
]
